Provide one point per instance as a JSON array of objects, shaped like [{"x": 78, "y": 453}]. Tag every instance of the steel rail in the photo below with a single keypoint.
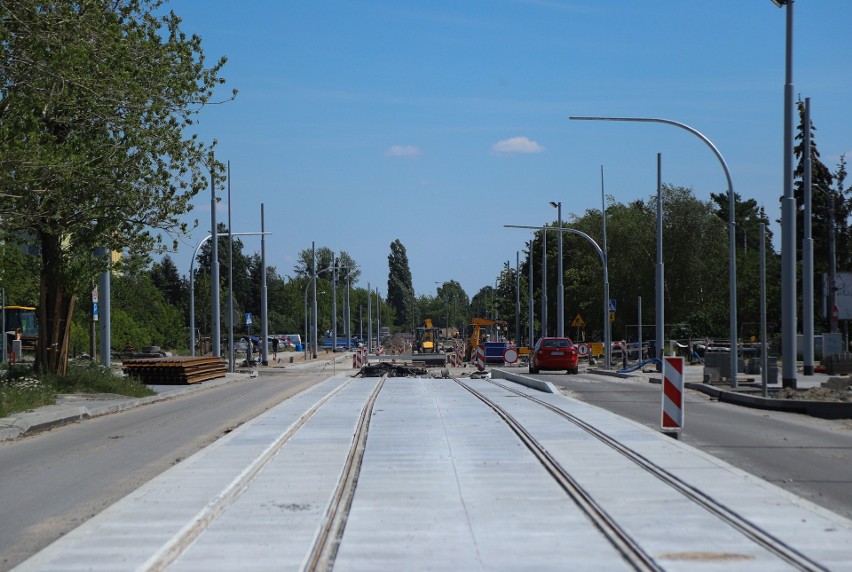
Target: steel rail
[
  {"x": 752, "y": 531},
  {"x": 328, "y": 537},
  {"x": 176, "y": 545},
  {"x": 630, "y": 550}
]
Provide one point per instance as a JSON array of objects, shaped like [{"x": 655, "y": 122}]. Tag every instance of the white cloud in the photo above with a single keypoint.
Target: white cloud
[
  {"x": 403, "y": 151},
  {"x": 517, "y": 145}
]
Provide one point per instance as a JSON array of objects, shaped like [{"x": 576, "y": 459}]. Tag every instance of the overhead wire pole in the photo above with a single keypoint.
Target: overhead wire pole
[
  {"x": 544, "y": 281},
  {"x": 530, "y": 310},
  {"x": 517, "y": 299},
  {"x": 560, "y": 287},
  {"x": 216, "y": 326},
  {"x": 660, "y": 342},
  {"x": 607, "y": 323},
  {"x": 231, "y": 364},
  {"x": 788, "y": 219},
  {"x": 807, "y": 250},
  {"x": 264, "y": 318},
  {"x": 732, "y": 255}
]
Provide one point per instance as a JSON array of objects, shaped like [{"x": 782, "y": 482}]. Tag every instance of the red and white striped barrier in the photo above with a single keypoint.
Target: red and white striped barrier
[
  {"x": 672, "y": 413},
  {"x": 359, "y": 357},
  {"x": 480, "y": 357}
]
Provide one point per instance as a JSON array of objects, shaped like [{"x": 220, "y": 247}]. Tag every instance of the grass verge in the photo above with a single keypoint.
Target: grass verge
[{"x": 21, "y": 389}]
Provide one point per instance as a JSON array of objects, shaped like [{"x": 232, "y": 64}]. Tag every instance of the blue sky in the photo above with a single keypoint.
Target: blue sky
[{"x": 436, "y": 123}]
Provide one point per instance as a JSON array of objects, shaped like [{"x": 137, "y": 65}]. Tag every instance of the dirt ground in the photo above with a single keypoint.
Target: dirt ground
[{"x": 831, "y": 393}]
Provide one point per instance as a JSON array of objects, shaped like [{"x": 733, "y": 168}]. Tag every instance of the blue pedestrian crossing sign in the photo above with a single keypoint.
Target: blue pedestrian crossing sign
[
  {"x": 248, "y": 319},
  {"x": 612, "y": 304}
]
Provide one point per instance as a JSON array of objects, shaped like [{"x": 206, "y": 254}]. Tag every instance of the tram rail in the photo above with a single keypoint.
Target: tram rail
[
  {"x": 327, "y": 541},
  {"x": 627, "y": 546}
]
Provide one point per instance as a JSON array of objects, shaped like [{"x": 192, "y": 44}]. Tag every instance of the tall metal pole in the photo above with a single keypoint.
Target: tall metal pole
[
  {"x": 544, "y": 282},
  {"x": 764, "y": 359},
  {"x": 639, "y": 321},
  {"x": 105, "y": 302},
  {"x": 530, "y": 310},
  {"x": 231, "y": 364},
  {"x": 807, "y": 250},
  {"x": 314, "y": 311},
  {"x": 378, "y": 318},
  {"x": 348, "y": 312},
  {"x": 369, "y": 318},
  {"x": 832, "y": 263},
  {"x": 216, "y": 325},
  {"x": 560, "y": 287},
  {"x": 264, "y": 315},
  {"x": 517, "y": 299},
  {"x": 607, "y": 325},
  {"x": 788, "y": 224},
  {"x": 307, "y": 332},
  {"x": 3, "y": 333},
  {"x": 333, "y": 303},
  {"x": 660, "y": 342}
]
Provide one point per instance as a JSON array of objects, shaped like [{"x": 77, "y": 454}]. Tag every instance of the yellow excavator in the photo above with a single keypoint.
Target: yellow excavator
[
  {"x": 426, "y": 338},
  {"x": 474, "y": 337}
]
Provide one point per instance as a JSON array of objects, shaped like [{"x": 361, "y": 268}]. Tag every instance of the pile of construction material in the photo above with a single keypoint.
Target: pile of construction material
[{"x": 177, "y": 370}]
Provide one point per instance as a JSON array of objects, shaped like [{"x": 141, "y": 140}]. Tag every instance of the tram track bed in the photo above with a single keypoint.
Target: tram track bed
[{"x": 423, "y": 473}]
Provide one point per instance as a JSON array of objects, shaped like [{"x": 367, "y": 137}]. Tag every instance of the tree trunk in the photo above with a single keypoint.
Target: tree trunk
[{"x": 56, "y": 307}]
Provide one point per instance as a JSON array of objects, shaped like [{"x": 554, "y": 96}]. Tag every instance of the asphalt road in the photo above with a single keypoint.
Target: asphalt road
[
  {"x": 807, "y": 456},
  {"x": 53, "y": 481}
]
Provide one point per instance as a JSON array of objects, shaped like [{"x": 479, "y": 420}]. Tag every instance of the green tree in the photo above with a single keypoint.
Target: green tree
[
  {"x": 19, "y": 272},
  {"x": 167, "y": 279},
  {"x": 455, "y": 302},
  {"x": 824, "y": 198},
  {"x": 325, "y": 259},
  {"x": 400, "y": 294},
  {"x": 96, "y": 99}
]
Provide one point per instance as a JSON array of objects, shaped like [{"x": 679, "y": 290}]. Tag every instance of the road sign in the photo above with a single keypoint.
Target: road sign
[
  {"x": 612, "y": 304},
  {"x": 248, "y": 319},
  {"x": 578, "y": 322},
  {"x": 95, "y": 311},
  {"x": 583, "y": 349},
  {"x": 510, "y": 355}
]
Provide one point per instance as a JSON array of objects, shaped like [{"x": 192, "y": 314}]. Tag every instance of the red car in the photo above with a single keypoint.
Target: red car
[{"x": 554, "y": 353}]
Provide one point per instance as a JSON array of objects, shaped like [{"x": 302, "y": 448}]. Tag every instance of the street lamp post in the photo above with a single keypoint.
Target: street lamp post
[
  {"x": 732, "y": 256},
  {"x": 600, "y": 252},
  {"x": 192, "y": 283},
  {"x": 560, "y": 288}
]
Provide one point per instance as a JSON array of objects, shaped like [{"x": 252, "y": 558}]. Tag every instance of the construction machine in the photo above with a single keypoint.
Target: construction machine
[
  {"x": 426, "y": 338},
  {"x": 475, "y": 337}
]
